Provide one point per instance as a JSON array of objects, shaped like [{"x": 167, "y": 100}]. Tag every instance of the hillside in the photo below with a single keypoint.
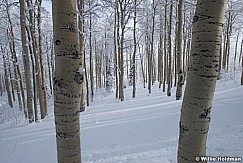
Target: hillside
[{"x": 141, "y": 130}]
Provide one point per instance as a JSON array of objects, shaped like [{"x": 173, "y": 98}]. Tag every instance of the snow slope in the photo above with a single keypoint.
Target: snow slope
[{"x": 141, "y": 130}]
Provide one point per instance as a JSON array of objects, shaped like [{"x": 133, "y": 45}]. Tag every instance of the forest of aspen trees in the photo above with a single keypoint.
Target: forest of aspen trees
[{"x": 146, "y": 42}]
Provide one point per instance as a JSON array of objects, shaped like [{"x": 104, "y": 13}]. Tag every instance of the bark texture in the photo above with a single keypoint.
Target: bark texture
[
  {"x": 68, "y": 80},
  {"x": 201, "y": 79}
]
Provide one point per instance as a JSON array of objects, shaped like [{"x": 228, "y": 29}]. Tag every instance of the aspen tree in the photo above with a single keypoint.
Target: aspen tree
[
  {"x": 149, "y": 57},
  {"x": 127, "y": 65},
  {"x": 115, "y": 52},
  {"x": 81, "y": 41},
  {"x": 68, "y": 80},
  {"x": 160, "y": 62},
  {"x": 201, "y": 79},
  {"x": 227, "y": 41},
  {"x": 33, "y": 51},
  {"x": 142, "y": 69},
  {"x": 25, "y": 54},
  {"x": 241, "y": 64},
  {"x": 12, "y": 48},
  {"x": 7, "y": 82},
  {"x": 165, "y": 47},
  {"x": 134, "y": 50},
  {"x": 121, "y": 12},
  {"x": 118, "y": 41},
  {"x": 241, "y": 50},
  {"x": 1, "y": 85},
  {"x": 184, "y": 46},
  {"x": 96, "y": 63},
  {"x": 86, "y": 79},
  {"x": 4, "y": 85},
  {"x": 220, "y": 56},
  {"x": 169, "y": 75},
  {"x": 34, "y": 78},
  {"x": 230, "y": 20},
  {"x": 122, "y": 17},
  {"x": 91, "y": 56},
  {"x": 179, "y": 50},
  {"x": 15, "y": 61},
  {"x": 104, "y": 63},
  {"x": 160, "y": 51},
  {"x": 151, "y": 48},
  {"x": 40, "y": 55},
  {"x": 49, "y": 66},
  {"x": 12, "y": 86},
  {"x": 236, "y": 48},
  {"x": 175, "y": 49},
  {"x": 242, "y": 70}
]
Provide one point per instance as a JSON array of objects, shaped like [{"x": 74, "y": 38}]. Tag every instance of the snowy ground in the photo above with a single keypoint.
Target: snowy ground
[{"x": 141, "y": 130}]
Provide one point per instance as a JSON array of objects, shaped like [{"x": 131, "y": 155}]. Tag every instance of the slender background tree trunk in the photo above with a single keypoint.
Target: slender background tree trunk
[
  {"x": 179, "y": 50},
  {"x": 26, "y": 62}
]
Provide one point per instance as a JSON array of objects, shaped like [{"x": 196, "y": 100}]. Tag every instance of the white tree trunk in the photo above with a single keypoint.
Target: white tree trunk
[
  {"x": 242, "y": 70},
  {"x": 68, "y": 80},
  {"x": 25, "y": 54},
  {"x": 134, "y": 51},
  {"x": 165, "y": 47},
  {"x": 7, "y": 82},
  {"x": 44, "y": 95},
  {"x": 169, "y": 73},
  {"x": 201, "y": 79},
  {"x": 81, "y": 41},
  {"x": 179, "y": 50}
]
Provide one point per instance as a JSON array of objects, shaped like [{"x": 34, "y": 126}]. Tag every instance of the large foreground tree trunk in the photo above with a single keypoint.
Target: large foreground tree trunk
[
  {"x": 201, "y": 79},
  {"x": 67, "y": 81}
]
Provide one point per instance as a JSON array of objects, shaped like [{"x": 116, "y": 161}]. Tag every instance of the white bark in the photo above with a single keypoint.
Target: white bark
[
  {"x": 201, "y": 80},
  {"x": 68, "y": 80}
]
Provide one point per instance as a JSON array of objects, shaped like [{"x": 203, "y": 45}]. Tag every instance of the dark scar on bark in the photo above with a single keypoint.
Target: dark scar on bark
[
  {"x": 57, "y": 42},
  {"x": 195, "y": 19}
]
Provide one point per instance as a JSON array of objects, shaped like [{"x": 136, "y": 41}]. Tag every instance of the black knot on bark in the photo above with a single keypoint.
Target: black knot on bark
[
  {"x": 56, "y": 82},
  {"x": 183, "y": 128},
  {"x": 57, "y": 42},
  {"x": 195, "y": 19},
  {"x": 206, "y": 114},
  {"x": 76, "y": 55}
]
